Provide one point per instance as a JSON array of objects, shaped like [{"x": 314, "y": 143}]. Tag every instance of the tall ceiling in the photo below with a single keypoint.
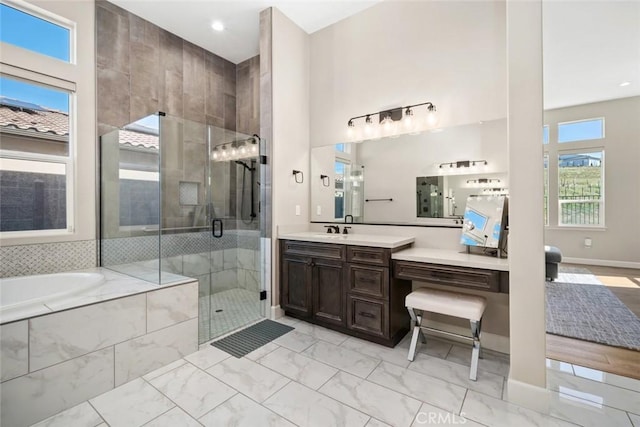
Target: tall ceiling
[
  {"x": 589, "y": 47},
  {"x": 192, "y": 19}
]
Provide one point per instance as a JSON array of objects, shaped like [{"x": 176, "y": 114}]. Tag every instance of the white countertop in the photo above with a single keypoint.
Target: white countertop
[
  {"x": 350, "y": 239},
  {"x": 451, "y": 257}
]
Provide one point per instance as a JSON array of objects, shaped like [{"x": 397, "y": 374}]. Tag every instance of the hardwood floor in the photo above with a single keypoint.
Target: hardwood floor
[{"x": 625, "y": 284}]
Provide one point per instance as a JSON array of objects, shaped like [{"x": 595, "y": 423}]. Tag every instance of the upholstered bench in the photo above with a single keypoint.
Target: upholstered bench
[
  {"x": 451, "y": 304},
  {"x": 552, "y": 257}
]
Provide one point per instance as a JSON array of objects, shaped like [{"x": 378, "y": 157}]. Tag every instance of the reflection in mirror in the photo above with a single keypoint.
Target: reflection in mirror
[
  {"x": 381, "y": 181},
  {"x": 484, "y": 221}
]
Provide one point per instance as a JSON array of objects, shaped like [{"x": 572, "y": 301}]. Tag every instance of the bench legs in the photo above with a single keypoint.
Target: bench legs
[
  {"x": 477, "y": 349},
  {"x": 416, "y": 323},
  {"x": 416, "y": 327}
]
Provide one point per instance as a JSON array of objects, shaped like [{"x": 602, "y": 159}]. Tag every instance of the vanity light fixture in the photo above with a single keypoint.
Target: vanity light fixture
[
  {"x": 464, "y": 164},
  {"x": 428, "y": 119},
  {"x": 483, "y": 181},
  {"x": 235, "y": 150}
]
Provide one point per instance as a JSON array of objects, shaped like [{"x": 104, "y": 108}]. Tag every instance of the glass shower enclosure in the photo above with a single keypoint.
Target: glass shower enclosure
[{"x": 180, "y": 198}]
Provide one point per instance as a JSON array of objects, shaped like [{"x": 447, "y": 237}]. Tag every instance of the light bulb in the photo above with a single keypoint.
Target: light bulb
[
  {"x": 243, "y": 150},
  {"x": 432, "y": 117},
  {"x": 368, "y": 126},
  {"x": 215, "y": 155},
  {"x": 407, "y": 120},
  {"x": 225, "y": 154},
  {"x": 387, "y": 126},
  {"x": 254, "y": 149}
]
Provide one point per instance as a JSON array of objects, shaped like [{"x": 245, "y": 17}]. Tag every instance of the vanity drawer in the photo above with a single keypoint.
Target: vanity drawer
[
  {"x": 472, "y": 278},
  {"x": 368, "y": 280},
  {"x": 312, "y": 249},
  {"x": 367, "y": 255},
  {"x": 367, "y": 315}
]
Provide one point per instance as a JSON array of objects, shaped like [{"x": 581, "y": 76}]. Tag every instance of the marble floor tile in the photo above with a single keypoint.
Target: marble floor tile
[
  {"x": 249, "y": 378},
  {"x": 296, "y": 341},
  {"x": 308, "y": 408},
  {"x": 429, "y": 415},
  {"x": 559, "y": 366},
  {"x": 170, "y": 367},
  {"x": 596, "y": 392},
  {"x": 435, "y": 347},
  {"x": 240, "y": 411},
  {"x": 635, "y": 419},
  {"x": 206, "y": 358},
  {"x": 192, "y": 389},
  {"x": 396, "y": 355},
  {"x": 299, "y": 368},
  {"x": 491, "y": 361},
  {"x": 494, "y": 412},
  {"x": 287, "y": 320},
  {"x": 176, "y": 417},
  {"x": 586, "y": 413},
  {"x": 607, "y": 378},
  {"x": 342, "y": 358},
  {"x": 320, "y": 333},
  {"x": 419, "y": 386},
  {"x": 132, "y": 404},
  {"x": 376, "y": 423},
  {"x": 82, "y": 415},
  {"x": 377, "y": 401},
  {"x": 262, "y": 351},
  {"x": 487, "y": 383}
]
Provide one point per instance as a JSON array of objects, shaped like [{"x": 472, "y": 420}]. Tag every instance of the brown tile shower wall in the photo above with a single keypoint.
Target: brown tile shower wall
[{"x": 143, "y": 69}]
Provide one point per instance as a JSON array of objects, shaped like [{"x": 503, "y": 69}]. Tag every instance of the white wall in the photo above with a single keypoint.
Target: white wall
[
  {"x": 401, "y": 53},
  {"x": 618, "y": 243},
  {"x": 83, "y": 73},
  {"x": 290, "y": 74}
]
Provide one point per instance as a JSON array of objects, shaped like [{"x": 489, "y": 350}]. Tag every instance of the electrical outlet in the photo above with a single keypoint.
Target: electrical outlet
[
  {"x": 587, "y": 242},
  {"x": 297, "y": 210},
  {"x": 319, "y": 210}
]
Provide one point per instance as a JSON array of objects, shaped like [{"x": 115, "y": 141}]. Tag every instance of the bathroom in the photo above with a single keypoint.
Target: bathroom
[{"x": 187, "y": 243}]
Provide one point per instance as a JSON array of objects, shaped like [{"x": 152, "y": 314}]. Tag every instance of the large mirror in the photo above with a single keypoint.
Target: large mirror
[{"x": 422, "y": 179}]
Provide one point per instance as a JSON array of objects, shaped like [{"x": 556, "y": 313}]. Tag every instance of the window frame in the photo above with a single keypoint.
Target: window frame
[
  {"x": 30, "y": 67},
  {"x": 601, "y": 202}
]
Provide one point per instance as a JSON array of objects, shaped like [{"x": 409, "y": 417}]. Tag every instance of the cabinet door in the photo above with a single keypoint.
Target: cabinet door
[
  {"x": 296, "y": 285},
  {"x": 328, "y": 292}
]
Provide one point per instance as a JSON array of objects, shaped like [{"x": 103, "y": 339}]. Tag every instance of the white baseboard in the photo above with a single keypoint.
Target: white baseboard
[
  {"x": 602, "y": 262},
  {"x": 529, "y": 396},
  {"x": 276, "y": 312},
  {"x": 490, "y": 341}
]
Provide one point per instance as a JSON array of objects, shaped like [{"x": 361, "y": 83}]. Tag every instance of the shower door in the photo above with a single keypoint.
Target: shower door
[{"x": 233, "y": 299}]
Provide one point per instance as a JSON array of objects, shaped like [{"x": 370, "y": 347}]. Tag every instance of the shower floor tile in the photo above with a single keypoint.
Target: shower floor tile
[{"x": 226, "y": 311}]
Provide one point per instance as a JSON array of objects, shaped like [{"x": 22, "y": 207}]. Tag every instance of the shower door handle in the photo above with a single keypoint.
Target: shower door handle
[{"x": 213, "y": 228}]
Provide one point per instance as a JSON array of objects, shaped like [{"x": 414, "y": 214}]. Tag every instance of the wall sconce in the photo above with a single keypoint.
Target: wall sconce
[
  {"x": 235, "y": 150},
  {"x": 326, "y": 181},
  {"x": 393, "y": 122},
  {"x": 298, "y": 176}
]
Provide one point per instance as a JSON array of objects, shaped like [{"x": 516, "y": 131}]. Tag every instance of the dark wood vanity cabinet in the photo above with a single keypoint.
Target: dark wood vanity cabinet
[{"x": 346, "y": 288}]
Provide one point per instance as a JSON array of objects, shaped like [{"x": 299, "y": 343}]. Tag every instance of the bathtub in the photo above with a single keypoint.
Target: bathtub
[{"x": 19, "y": 294}]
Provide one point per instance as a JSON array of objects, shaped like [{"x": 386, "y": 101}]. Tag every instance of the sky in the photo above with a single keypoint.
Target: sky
[{"x": 23, "y": 30}]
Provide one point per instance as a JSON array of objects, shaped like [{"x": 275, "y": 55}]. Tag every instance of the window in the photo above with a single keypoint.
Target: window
[
  {"x": 546, "y": 188},
  {"x": 340, "y": 173},
  {"x": 581, "y": 130},
  {"x": 37, "y": 146},
  {"x": 33, "y": 33},
  {"x": 581, "y": 188},
  {"x": 545, "y": 134}
]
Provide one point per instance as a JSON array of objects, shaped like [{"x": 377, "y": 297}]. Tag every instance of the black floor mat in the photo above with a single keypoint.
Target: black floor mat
[{"x": 247, "y": 340}]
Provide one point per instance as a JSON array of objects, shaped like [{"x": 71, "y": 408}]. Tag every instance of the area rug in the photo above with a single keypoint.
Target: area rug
[{"x": 590, "y": 312}]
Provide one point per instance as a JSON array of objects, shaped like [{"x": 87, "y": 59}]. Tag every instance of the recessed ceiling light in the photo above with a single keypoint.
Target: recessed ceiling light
[
  {"x": 218, "y": 26},
  {"x": 623, "y": 84}
]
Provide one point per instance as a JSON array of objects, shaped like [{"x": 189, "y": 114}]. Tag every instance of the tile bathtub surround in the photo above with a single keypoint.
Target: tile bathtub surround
[
  {"x": 78, "y": 353},
  {"x": 392, "y": 395},
  {"x": 45, "y": 258},
  {"x": 14, "y": 357}
]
